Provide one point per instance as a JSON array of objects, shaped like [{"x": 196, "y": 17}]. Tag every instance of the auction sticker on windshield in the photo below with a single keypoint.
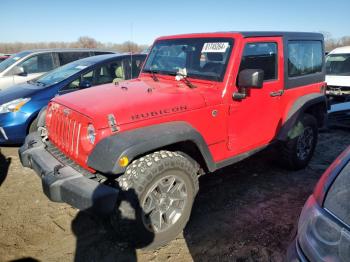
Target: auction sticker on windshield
[{"x": 218, "y": 47}]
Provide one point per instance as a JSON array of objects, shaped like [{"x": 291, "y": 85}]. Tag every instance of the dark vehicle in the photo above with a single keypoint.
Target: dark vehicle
[
  {"x": 324, "y": 224},
  {"x": 20, "y": 104},
  {"x": 201, "y": 102}
]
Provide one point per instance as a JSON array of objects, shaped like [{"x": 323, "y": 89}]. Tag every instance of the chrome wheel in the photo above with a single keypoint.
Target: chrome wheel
[
  {"x": 305, "y": 143},
  {"x": 164, "y": 203}
]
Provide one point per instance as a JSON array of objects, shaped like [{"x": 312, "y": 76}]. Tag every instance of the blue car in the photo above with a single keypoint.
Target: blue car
[{"x": 20, "y": 104}]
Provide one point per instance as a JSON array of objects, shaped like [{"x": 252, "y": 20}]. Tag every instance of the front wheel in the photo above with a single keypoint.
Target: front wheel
[
  {"x": 297, "y": 152},
  {"x": 163, "y": 186}
]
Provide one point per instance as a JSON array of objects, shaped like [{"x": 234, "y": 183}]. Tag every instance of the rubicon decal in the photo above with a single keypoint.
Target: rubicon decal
[{"x": 160, "y": 112}]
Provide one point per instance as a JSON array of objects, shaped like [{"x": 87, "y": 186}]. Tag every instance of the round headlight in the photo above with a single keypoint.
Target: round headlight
[{"x": 91, "y": 134}]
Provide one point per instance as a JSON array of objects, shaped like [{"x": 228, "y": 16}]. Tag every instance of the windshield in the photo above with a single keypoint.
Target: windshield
[
  {"x": 203, "y": 58},
  {"x": 61, "y": 73},
  {"x": 338, "y": 64},
  {"x": 12, "y": 59}
]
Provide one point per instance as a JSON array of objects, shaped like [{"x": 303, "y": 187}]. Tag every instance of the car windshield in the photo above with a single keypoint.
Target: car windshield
[
  {"x": 203, "y": 58},
  {"x": 12, "y": 59},
  {"x": 59, "y": 74},
  {"x": 338, "y": 64}
]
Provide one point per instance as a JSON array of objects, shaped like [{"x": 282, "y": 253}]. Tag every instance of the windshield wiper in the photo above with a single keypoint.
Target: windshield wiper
[
  {"x": 182, "y": 75},
  {"x": 153, "y": 74}
]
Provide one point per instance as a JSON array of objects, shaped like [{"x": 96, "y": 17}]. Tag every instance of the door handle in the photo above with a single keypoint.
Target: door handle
[{"x": 277, "y": 93}]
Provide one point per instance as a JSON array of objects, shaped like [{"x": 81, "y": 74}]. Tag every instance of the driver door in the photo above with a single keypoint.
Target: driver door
[{"x": 255, "y": 120}]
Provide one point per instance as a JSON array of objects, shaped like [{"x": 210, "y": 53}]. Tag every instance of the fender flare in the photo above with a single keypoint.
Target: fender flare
[
  {"x": 42, "y": 117},
  {"x": 107, "y": 152},
  {"x": 299, "y": 107}
]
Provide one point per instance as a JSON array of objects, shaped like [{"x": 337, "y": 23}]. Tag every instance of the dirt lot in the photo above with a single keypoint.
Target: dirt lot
[{"x": 244, "y": 212}]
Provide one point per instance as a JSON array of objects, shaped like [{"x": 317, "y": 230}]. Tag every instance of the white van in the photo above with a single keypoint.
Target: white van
[
  {"x": 338, "y": 72},
  {"x": 27, "y": 65}
]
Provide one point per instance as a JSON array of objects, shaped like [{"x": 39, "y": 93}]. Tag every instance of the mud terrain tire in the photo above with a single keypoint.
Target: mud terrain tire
[{"x": 153, "y": 181}]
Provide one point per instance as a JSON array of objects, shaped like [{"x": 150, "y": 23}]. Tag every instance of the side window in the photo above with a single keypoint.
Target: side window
[
  {"x": 38, "y": 63},
  {"x": 118, "y": 70},
  {"x": 75, "y": 84},
  {"x": 137, "y": 63},
  {"x": 67, "y": 57},
  {"x": 304, "y": 57},
  {"x": 261, "y": 56},
  {"x": 337, "y": 199},
  {"x": 104, "y": 74}
]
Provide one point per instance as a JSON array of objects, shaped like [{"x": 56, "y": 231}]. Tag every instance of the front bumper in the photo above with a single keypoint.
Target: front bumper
[
  {"x": 63, "y": 183},
  {"x": 14, "y": 127}
]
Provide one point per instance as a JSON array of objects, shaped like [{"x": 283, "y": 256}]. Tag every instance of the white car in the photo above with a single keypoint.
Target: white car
[
  {"x": 338, "y": 72},
  {"x": 27, "y": 65}
]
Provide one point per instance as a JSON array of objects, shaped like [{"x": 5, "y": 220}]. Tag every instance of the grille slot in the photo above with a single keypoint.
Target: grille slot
[{"x": 65, "y": 131}]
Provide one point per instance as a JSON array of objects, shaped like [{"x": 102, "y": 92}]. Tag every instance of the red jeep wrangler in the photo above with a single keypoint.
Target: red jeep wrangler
[{"x": 201, "y": 102}]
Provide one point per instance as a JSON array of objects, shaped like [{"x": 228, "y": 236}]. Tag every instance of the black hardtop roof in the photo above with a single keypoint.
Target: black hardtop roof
[
  {"x": 285, "y": 34},
  {"x": 281, "y": 33}
]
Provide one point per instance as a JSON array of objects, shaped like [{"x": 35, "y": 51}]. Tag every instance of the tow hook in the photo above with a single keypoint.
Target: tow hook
[
  {"x": 43, "y": 133},
  {"x": 56, "y": 170}
]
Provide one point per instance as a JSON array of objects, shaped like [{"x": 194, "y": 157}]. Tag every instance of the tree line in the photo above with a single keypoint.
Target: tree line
[
  {"x": 331, "y": 42},
  {"x": 128, "y": 46},
  {"x": 82, "y": 42}
]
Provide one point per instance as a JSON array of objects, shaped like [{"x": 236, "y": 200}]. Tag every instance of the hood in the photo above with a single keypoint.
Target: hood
[
  {"x": 133, "y": 100},
  {"x": 18, "y": 91},
  {"x": 338, "y": 80}
]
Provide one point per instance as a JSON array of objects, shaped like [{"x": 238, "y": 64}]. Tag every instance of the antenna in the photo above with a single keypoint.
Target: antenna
[{"x": 130, "y": 47}]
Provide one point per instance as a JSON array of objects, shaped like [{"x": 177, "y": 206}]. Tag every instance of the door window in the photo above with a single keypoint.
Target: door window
[
  {"x": 67, "y": 57},
  {"x": 75, "y": 84},
  {"x": 104, "y": 74},
  {"x": 38, "y": 63},
  {"x": 261, "y": 56},
  {"x": 137, "y": 62}
]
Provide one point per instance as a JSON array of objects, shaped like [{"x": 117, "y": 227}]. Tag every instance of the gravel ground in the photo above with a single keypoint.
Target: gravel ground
[{"x": 245, "y": 212}]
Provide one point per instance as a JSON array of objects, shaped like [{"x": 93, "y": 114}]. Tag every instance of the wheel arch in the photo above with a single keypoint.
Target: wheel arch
[
  {"x": 314, "y": 104},
  {"x": 173, "y": 136}
]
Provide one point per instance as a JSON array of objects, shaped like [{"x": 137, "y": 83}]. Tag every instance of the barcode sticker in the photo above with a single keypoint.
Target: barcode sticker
[{"x": 218, "y": 47}]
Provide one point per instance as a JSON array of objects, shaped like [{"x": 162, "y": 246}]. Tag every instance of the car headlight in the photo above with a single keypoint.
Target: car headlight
[
  {"x": 13, "y": 106},
  {"x": 91, "y": 134}
]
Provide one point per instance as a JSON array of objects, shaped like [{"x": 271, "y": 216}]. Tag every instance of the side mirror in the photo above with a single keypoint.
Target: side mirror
[
  {"x": 85, "y": 84},
  {"x": 251, "y": 78},
  {"x": 248, "y": 78},
  {"x": 19, "y": 71}
]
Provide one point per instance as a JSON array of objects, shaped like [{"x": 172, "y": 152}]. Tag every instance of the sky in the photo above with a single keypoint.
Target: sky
[{"x": 142, "y": 21}]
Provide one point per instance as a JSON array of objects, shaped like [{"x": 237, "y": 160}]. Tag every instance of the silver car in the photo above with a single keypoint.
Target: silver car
[{"x": 27, "y": 65}]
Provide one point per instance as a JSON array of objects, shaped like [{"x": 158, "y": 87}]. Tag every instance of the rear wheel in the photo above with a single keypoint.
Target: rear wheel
[
  {"x": 297, "y": 152},
  {"x": 162, "y": 187}
]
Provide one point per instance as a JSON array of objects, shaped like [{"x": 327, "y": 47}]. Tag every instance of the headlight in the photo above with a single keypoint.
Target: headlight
[
  {"x": 14, "y": 105},
  {"x": 91, "y": 134}
]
